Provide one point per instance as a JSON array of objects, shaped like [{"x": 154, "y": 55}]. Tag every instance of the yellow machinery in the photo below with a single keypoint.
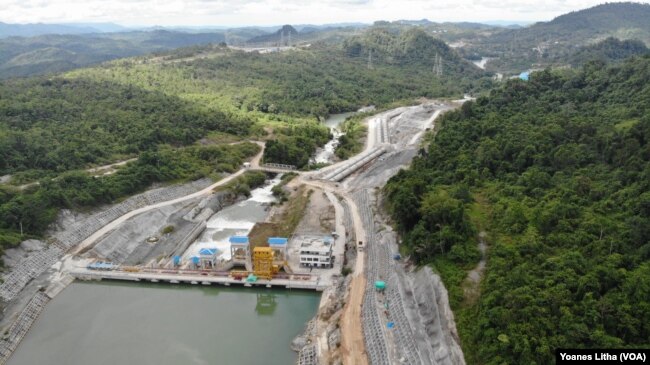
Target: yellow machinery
[{"x": 263, "y": 266}]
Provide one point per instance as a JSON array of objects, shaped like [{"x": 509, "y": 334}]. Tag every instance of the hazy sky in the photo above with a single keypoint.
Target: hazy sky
[{"x": 273, "y": 12}]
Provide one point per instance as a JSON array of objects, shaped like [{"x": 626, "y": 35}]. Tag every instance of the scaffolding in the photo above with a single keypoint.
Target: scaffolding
[{"x": 263, "y": 266}]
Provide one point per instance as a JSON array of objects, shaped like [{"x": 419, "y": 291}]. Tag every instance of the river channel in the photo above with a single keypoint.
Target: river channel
[{"x": 326, "y": 154}]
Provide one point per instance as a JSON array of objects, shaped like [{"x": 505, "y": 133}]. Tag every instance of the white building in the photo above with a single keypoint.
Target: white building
[{"x": 316, "y": 252}]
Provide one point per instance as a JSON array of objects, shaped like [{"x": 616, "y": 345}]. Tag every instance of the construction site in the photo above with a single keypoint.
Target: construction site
[{"x": 374, "y": 308}]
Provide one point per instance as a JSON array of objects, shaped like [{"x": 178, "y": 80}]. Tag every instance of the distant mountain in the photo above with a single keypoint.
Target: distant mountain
[
  {"x": 31, "y": 30},
  {"x": 44, "y": 54},
  {"x": 546, "y": 43},
  {"x": 282, "y": 35},
  {"x": 408, "y": 47},
  {"x": 101, "y": 27}
]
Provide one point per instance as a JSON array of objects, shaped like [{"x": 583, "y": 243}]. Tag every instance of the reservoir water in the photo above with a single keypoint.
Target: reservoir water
[{"x": 121, "y": 323}]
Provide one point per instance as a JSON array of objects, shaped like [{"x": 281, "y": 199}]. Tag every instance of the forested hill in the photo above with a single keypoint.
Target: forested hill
[
  {"x": 547, "y": 43},
  {"x": 282, "y": 35},
  {"x": 57, "y": 125},
  {"x": 407, "y": 48},
  {"x": 601, "y": 19},
  {"x": 557, "y": 172},
  {"x": 608, "y": 50},
  {"x": 317, "y": 80}
]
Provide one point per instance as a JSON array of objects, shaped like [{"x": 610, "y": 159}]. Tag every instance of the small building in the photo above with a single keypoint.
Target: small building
[
  {"x": 239, "y": 249},
  {"x": 208, "y": 257},
  {"x": 316, "y": 251},
  {"x": 196, "y": 261},
  {"x": 524, "y": 76},
  {"x": 279, "y": 246}
]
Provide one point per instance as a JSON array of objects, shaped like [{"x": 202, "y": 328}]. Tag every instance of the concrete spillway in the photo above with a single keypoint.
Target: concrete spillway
[{"x": 356, "y": 163}]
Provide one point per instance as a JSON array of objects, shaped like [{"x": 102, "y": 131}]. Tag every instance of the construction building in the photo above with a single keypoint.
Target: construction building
[
  {"x": 208, "y": 257},
  {"x": 263, "y": 266},
  {"x": 316, "y": 251},
  {"x": 240, "y": 249},
  {"x": 279, "y": 246}
]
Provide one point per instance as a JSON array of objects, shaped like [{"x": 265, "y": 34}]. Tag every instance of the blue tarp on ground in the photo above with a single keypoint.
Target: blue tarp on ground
[
  {"x": 251, "y": 278},
  {"x": 239, "y": 239},
  {"x": 524, "y": 75},
  {"x": 277, "y": 241}
]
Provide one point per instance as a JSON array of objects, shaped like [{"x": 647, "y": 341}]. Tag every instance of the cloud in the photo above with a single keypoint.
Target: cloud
[{"x": 266, "y": 12}]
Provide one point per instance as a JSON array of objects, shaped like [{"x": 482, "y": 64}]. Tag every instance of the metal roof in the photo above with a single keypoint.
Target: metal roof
[
  {"x": 277, "y": 241},
  {"x": 238, "y": 239},
  {"x": 208, "y": 251}
]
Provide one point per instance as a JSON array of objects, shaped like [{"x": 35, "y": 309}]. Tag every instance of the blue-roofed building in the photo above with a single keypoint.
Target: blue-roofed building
[
  {"x": 239, "y": 239},
  {"x": 208, "y": 257},
  {"x": 239, "y": 249},
  {"x": 277, "y": 241},
  {"x": 524, "y": 75},
  {"x": 279, "y": 246},
  {"x": 208, "y": 251}
]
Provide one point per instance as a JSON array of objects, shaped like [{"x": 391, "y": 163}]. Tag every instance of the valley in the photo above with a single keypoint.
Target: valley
[{"x": 390, "y": 192}]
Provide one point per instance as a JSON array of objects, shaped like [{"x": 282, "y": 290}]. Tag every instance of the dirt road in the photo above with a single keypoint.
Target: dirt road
[{"x": 112, "y": 225}]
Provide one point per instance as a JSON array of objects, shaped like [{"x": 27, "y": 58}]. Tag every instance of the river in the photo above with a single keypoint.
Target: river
[
  {"x": 121, "y": 323},
  {"x": 326, "y": 154}
]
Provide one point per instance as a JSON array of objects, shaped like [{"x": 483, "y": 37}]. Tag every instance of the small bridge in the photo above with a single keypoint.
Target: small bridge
[{"x": 274, "y": 167}]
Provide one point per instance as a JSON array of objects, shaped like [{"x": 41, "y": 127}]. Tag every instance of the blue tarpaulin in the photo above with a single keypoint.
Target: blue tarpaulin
[{"x": 524, "y": 75}]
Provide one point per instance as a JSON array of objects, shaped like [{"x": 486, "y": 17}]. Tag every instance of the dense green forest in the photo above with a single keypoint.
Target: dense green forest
[
  {"x": 55, "y": 125},
  {"x": 608, "y": 50},
  {"x": 556, "y": 171}
]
